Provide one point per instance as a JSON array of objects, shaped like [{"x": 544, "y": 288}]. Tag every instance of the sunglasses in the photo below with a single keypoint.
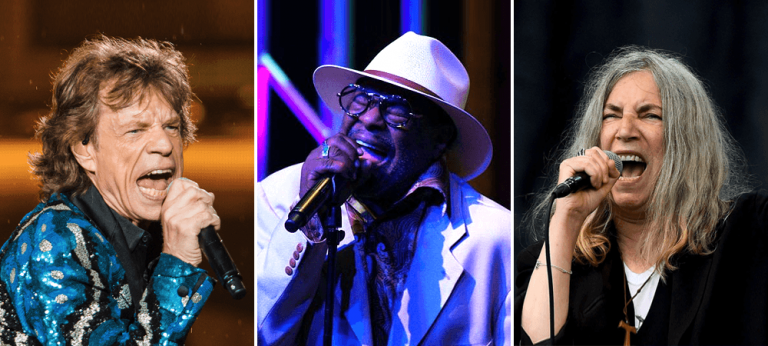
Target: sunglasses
[{"x": 356, "y": 100}]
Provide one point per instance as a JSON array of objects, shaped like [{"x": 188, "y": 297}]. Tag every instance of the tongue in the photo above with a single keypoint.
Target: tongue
[
  {"x": 632, "y": 169},
  {"x": 157, "y": 184}
]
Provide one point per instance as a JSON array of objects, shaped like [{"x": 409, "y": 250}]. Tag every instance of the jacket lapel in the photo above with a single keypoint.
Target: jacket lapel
[
  {"x": 433, "y": 274},
  {"x": 688, "y": 287}
]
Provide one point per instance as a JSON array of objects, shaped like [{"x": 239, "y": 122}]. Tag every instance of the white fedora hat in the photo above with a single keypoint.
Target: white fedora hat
[{"x": 423, "y": 65}]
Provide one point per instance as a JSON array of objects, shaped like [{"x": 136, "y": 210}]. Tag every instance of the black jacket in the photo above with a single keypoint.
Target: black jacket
[{"x": 721, "y": 298}]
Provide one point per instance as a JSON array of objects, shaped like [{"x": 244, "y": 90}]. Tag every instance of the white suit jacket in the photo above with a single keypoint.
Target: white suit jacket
[{"x": 458, "y": 290}]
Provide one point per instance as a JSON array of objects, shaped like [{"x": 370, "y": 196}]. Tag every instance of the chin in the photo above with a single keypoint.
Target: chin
[
  {"x": 148, "y": 212},
  {"x": 368, "y": 188},
  {"x": 629, "y": 202}
]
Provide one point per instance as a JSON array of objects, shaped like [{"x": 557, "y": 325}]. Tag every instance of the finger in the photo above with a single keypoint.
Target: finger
[
  {"x": 342, "y": 165},
  {"x": 346, "y": 126},
  {"x": 176, "y": 188},
  {"x": 573, "y": 165},
  {"x": 188, "y": 190},
  {"x": 594, "y": 170},
  {"x": 191, "y": 217},
  {"x": 358, "y": 147},
  {"x": 342, "y": 145},
  {"x": 613, "y": 172},
  {"x": 602, "y": 165},
  {"x": 605, "y": 161},
  {"x": 182, "y": 181},
  {"x": 214, "y": 219}
]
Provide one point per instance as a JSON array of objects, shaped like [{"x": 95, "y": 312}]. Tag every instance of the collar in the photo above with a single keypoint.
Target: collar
[
  {"x": 105, "y": 219},
  {"x": 431, "y": 185}
]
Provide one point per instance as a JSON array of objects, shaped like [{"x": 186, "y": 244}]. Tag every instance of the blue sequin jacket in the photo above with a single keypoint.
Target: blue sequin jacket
[{"x": 61, "y": 283}]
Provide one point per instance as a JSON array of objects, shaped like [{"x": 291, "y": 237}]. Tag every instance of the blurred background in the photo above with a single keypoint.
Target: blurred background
[
  {"x": 558, "y": 42},
  {"x": 294, "y": 38},
  {"x": 217, "y": 40}
]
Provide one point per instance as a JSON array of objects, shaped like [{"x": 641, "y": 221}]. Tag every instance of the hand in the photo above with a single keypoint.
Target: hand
[
  {"x": 603, "y": 175},
  {"x": 186, "y": 210},
  {"x": 342, "y": 160}
]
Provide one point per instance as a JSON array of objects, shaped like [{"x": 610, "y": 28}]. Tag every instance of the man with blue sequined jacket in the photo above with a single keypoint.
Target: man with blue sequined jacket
[{"x": 110, "y": 256}]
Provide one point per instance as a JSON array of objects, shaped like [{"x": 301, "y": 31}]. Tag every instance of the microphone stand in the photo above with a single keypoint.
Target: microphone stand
[{"x": 331, "y": 221}]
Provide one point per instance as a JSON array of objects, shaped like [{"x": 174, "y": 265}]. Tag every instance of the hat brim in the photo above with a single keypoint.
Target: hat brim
[{"x": 471, "y": 151}]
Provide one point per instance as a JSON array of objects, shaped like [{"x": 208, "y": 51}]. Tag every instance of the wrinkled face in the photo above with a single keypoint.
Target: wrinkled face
[
  {"x": 633, "y": 129},
  {"x": 397, "y": 155},
  {"x": 137, "y": 155}
]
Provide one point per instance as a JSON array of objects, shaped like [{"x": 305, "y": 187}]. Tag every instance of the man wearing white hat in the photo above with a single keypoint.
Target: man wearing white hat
[{"x": 429, "y": 262}]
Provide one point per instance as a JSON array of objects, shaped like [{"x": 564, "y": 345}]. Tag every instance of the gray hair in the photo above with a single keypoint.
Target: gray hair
[{"x": 702, "y": 171}]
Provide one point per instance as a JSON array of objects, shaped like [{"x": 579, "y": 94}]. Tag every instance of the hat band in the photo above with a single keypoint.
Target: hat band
[{"x": 403, "y": 81}]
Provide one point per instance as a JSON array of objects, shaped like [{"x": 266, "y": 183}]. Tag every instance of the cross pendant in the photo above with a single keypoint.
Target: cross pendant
[{"x": 629, "y": 329}]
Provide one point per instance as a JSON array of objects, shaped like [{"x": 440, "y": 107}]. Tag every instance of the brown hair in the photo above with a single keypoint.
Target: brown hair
[{"x": 117, "y": 73}]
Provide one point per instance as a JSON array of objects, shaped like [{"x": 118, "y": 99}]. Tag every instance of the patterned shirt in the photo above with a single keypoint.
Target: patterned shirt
[{"x": 387, "y": 242}]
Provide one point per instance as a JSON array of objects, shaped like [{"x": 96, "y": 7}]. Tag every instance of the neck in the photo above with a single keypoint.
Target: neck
[
  {"x": 142, "y": 224},
  {"x": 629, "y": 235},
  {"x": 379, "y": 202}
]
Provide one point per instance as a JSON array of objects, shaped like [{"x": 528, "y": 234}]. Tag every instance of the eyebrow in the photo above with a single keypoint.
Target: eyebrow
[
  {"x": 133, "y": 124},
  {"x": 644, "y": 108}
]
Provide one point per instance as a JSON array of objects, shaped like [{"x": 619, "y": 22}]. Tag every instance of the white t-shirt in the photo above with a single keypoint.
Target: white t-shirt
[{"x": 643, "y": 300}]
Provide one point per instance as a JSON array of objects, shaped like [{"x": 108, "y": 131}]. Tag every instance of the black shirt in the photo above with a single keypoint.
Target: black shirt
[
  {"x": 718, "y": 298},
  {"x": 136, "y": 248}
]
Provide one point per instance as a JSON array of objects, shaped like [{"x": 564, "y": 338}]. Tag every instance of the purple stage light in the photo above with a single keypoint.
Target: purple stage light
[
  {"x": 293, "y": 99},
  {"x": 262, "y": 121}
]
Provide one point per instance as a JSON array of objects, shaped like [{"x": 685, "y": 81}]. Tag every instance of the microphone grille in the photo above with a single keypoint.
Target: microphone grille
[{"x": 616, "y": 160}]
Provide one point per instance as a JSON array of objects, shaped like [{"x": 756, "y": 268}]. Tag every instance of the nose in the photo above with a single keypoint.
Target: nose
[
  {"x": 372, "y": 118},
  {"x": 159, "y": 142},
  {"x": 627, "y": 129}
]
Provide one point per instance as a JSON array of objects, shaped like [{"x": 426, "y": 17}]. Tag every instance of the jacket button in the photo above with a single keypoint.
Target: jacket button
[
  {"x": 292, "y": 262},
  {"x": 300, "y": 247},
  {"x": 295, "y": 255},
  {"x": 288, "y": 270}
]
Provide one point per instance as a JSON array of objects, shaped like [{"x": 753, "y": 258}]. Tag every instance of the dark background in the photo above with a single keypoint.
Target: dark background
[
  {"x": 478, "y": 32},
  {"x": 217, "y": 39},
  {"x": 558, "y": 42}
]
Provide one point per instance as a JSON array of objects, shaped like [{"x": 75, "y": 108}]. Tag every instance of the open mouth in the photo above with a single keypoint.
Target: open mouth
[
  {"x": 374, "y": 151},
  {"x": 155, "y": 183},
  {"x": 634, "y": 166}
]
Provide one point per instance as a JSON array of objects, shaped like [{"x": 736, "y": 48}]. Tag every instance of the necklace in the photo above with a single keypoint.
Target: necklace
[{"x": 625, "y": 323}]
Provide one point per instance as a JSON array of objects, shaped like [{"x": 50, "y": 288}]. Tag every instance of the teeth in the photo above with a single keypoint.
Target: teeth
[
  {"x": 365, "y": 144},
  {"x": 631, "y": 158},
  {"x": 160, "y": 171},
  {"x": 152, "y": 192},
  {"x": 377, "y": 150}
]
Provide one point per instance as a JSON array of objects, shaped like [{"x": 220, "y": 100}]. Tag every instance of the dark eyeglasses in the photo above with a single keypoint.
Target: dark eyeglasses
[{"x": 356, "y": 100}]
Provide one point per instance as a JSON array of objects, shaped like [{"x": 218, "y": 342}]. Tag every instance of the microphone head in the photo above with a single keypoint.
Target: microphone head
[{"x": 616, "y": 160}]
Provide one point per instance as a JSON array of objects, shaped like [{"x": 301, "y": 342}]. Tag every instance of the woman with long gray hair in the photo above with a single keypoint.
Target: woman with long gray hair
[{"x": 669, "y": 251}]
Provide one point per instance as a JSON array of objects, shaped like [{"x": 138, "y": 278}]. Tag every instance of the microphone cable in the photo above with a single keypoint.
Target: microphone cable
[{"x": 549, "y": 273}]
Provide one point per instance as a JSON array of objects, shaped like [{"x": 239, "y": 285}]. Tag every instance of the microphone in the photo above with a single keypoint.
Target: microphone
[
  {"x": 221, "y": 262},
  {"x": 580, "y": 180},
  {"x": 314, "y": 200}
]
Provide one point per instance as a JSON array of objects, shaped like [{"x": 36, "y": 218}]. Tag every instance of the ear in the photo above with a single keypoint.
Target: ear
[{"x": 84, "y": 154}]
